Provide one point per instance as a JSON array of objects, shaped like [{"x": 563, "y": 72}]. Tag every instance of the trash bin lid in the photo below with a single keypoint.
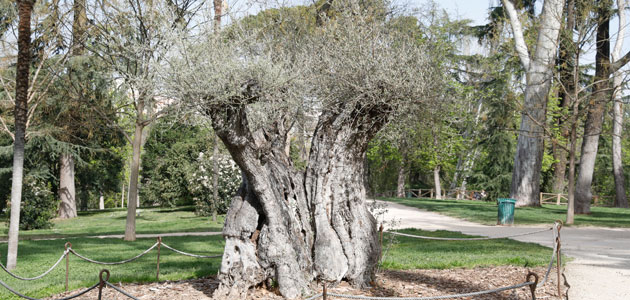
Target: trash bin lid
[{"x": 508, "y": 200}]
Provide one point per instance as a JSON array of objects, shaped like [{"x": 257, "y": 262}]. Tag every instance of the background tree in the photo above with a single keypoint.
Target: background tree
[
  {"x": 25, "y": 8},
  {"x": 131, "y": 39},
  {"x": 621, "y": 199},
  {"x": 529, "y": 150},
  {"x": 602, "y": 92}
]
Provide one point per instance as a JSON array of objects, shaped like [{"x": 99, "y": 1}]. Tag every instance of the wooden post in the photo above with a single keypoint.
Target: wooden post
[
  {"x": 380, "y": 230},
  {"x": 431, "y": 194},
  {"x": 558, "y": 199},
  {"x": 541, "y": 198},
  {"x": 325, "y": 293},
  {"x": 558, "y": 260},
  {"x": 67, "y": 245},
  {"x": 157, "y": 275}
]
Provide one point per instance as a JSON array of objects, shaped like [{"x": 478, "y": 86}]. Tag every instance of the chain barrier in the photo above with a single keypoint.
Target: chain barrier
[
  {"x": 190, "y": 254},
  {"x": 100, "y": 284},
  {"x": 38, "y": 276},
  {"x": 466, "y": 239},
  {"x": 113, "y": 263},
  {"x": 532, "y": 284},
  {"x": 12, "y": 290},
  {"x": 104, "y": 282}
]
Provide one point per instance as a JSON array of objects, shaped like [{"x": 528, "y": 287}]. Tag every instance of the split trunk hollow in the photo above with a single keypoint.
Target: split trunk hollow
[{"x": 289, "y": 227}]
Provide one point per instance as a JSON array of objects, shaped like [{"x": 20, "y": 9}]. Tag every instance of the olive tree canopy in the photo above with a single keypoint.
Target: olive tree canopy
[{"x": 333, "y": 81}]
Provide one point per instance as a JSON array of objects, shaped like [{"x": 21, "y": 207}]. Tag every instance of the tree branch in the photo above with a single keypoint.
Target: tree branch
[
  {"x": 6, "y": 129},
  {"x": 517, "y": 28}
]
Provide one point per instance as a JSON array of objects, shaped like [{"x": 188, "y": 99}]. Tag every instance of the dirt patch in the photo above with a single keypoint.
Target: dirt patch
[{"x": 391, "y": 283}]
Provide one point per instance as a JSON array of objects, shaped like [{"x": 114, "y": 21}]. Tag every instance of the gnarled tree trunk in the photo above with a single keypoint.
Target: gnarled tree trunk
[
  {"x": 67, "y": 195},
  {"x": 296, "y": 226}
]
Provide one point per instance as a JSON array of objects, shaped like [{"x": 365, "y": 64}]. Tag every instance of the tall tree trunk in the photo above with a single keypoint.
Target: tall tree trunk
[
  {"x": 621, "y": 199},
  {"x": 565, "y": 64},
  {"x": 101, "y": 200},
  {"x": 130, "y": 228},
  {"x": 215, "y": 178},
  {"x": 295, "y": 226},
  {"x": 595, "y": 116},
  {"x": 402, "y": 179},
  {"x": 571, "y": 196},
  {"x": 436, "y": 181},
  {"x": 67, "y": 195},
  {"x": 529, "y": 149},
  {"x": 25, "y": 8}
]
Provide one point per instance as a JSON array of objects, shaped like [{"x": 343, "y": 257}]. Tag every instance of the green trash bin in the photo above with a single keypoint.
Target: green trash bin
[{"x": 506, "y": 211}]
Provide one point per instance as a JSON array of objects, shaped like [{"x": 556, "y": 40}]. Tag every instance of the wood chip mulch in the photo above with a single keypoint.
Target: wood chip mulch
[{"x": 389, "y": 283}]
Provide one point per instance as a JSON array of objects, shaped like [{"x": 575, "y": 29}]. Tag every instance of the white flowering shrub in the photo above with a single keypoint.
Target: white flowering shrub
[
  {"x": 200, "y": 182},
  {"x": 38, "y": 204}
]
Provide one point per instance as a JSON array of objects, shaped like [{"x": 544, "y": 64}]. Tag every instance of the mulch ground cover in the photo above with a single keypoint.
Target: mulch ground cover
[{"x": 389, "y": 283}]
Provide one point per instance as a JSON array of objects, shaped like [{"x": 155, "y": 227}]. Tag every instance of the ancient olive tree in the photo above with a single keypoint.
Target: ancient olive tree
[{"x": 341, "y": 80}]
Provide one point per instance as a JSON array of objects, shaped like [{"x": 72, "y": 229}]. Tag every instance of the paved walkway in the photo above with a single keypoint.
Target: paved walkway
[{"x": 601, "y": 265}]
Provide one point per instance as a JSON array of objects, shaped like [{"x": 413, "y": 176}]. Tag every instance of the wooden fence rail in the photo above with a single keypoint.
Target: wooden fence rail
[
  {"x": 545, "y": 198},
  {"x": 562, "y": 199}
]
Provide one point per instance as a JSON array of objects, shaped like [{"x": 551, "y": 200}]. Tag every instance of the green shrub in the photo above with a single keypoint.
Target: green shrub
[{"x": 38, "y": 206}]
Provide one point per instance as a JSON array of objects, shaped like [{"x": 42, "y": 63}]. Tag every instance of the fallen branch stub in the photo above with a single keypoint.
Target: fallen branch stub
[{"x": 532, "y": 287}]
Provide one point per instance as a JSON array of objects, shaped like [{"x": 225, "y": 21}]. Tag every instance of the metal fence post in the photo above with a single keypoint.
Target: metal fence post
[
  {"x": 324, "y": 293},
  {"x": 532, "y": 287},
  {"x": 159, "y": 241},
  {"x": 101, "y": 282},
  {"x": 66, "y": 246}
]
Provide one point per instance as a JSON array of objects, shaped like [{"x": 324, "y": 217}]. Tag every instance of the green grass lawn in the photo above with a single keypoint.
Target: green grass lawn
[
  {"x": 411, "y": 253},
  {"x": 112, "y": 221},
  {"x": 36, "y": 256},
  {"x": 486, "y": 212}
]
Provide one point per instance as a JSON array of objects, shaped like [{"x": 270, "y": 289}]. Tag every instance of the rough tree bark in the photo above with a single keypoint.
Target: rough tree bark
[
  {"x": 215, "y": 178},
  {"x": 67, "y": 195},
  {"x": 529, "y": 150},
  {"x": 621, "y": 200},
  {"x": 295, "y": 226},
  {"x": 25, "y": 9},
  {"x": 595, "y": 115}
]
